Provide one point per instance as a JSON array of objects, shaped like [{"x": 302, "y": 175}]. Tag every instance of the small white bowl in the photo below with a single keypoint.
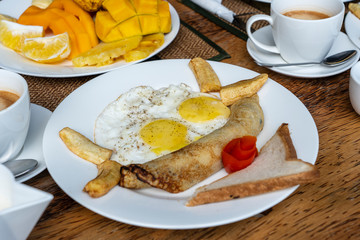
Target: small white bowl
[
  {"x": 354, "y": 87},
  {"x": 27, "y": 206}
]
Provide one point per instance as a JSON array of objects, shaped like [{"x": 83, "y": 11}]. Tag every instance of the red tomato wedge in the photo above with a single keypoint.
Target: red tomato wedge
[{"x": 239, "y": 153}]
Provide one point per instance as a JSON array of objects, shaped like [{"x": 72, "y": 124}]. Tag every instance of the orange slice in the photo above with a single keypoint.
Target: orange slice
[
  {"x": 47, "y": 49},
  {"x": 12, "y": 35}
]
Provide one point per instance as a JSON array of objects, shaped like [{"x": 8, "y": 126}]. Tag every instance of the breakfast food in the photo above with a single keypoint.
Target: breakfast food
[
  {"x": 143, "y": 123},
  {"x": 90, "y": 5},
  {"x": 125, "y": 18},
  {"x": 276, "y": 167},
  {"x": 205, "y": 75},
  {"x": 106, "y": 53},
  {"x": 245, "y": 88},
  {"x": 107, "y": 178},
  {"x": 49, "y": 49},
  {"x": 148, "y": 45},
  {"x": 151, "y": 19},
  {"x": 182, "y": 169},
  {"x": 239, "y": 153},
  {"x": 13, "y": 34},
  {"x": 64, "y": 16},
  {"x": 83, "y": 147}
]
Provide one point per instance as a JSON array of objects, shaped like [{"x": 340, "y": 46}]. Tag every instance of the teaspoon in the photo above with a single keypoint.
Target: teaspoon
[
  {"x": 331, "y": 61},
  {"x": 21, "y": 166}
]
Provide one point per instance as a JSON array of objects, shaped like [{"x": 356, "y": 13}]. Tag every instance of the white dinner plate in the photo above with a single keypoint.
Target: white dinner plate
[
  {"x": 152, "y": 207},
  {"x": 352, "y": 28},
  {"x": 264, "y": 35},
  {"x": 33, "y": 143},
  {"x": 13, "y": 61}
]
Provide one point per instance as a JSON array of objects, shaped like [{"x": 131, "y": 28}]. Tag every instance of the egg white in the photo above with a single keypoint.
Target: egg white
[{"x": 118, "y": 126}]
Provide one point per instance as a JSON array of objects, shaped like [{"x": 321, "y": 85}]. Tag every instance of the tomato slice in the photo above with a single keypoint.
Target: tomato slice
[
  {"x": 248, "y": 142},
  {"x": 239, "y": 153},
  {"x": 231, "y": 164}
]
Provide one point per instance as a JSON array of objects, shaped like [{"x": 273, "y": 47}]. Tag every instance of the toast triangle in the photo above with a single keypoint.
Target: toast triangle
[{"x": 275, "y": 168}]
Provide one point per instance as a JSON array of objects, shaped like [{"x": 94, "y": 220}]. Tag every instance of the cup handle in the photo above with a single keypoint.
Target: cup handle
[{"x": 250, "y": 22}]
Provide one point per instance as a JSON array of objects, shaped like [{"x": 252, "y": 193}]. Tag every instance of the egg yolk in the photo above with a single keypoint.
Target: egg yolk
[
  {"x": 164, "y": 135},
  {"x": 202, "y": 109}
]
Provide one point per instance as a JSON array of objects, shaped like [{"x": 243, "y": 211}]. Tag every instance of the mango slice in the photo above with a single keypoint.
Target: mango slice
[
  {"x": 120, "y": 10},
  {"x": 145, "y": 6},
  {"x": 165, "y": 17},
  {"x": 126, "y": 18}
]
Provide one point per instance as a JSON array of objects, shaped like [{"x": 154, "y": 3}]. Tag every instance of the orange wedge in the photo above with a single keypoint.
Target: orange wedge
[
  {"x": 12, "y": 35},
  {"x": 47, "y": 49}
]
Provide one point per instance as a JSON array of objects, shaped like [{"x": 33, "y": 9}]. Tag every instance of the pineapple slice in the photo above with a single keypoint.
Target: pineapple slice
[{"x": 106, "y": 53}]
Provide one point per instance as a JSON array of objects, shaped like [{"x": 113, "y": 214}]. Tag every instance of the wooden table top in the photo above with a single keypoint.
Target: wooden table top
[{"x": 325, "y": 209}]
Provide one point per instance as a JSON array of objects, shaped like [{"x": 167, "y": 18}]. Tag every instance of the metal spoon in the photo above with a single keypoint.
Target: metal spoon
[
  {"x": 21, "y": 166},
  {"x": 331, "y": 61}
]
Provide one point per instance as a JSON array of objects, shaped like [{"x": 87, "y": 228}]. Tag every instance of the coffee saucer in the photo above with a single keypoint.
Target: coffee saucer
[
  {"x": 264, "y": 35},
  {"x": 33, "y": 143}
]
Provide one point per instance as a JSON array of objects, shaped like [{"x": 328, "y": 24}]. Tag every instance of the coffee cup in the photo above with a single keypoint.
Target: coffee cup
[
  {"x": 14, "y": 114},
  {"x": 303, "y": 30}
]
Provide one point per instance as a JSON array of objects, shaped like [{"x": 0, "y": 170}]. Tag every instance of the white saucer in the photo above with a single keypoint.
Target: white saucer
[
  {"x": 33, "y": 143},
  {"x": 264, "y": 35}
]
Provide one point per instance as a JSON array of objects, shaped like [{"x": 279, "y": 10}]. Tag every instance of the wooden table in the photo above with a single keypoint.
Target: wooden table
[{"x": 326, "y": 209}]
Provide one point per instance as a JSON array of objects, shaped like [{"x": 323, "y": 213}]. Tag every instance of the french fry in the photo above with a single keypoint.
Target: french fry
[
  {"x": 355, "y": 9},
  {"x": 107, "y": 178},
  {"x": 205, "y": 75},
  {"x": 83, "y": 147},
  {"x": 245, "y": 88}
]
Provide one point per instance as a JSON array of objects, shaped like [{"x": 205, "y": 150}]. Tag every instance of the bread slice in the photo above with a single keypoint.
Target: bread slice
[{"x": 275, "y": 168}]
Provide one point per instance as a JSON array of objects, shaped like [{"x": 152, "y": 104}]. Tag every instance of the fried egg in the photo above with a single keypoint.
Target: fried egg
[{"x": 143, "y": 123}]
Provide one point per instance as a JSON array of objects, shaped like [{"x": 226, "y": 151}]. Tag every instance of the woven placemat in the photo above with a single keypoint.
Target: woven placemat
[
  {"x": 49, "y": 92},
  {"x": 243, "y": 11}
]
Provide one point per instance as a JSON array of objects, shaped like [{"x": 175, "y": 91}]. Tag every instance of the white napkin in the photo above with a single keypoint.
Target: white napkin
[
  {"x": 7, "y": 182},
  {"x": 215, "y": 7}
]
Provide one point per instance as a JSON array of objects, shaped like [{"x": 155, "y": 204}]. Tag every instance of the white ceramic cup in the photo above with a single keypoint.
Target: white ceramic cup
[
  {"x": 299, "y": 40},
  {"x": 15, "y": 119},
  {"x": 354, "y": 87}
]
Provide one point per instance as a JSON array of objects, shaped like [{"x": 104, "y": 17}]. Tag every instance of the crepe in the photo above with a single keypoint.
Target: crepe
[{"x": 182, "y": 169}]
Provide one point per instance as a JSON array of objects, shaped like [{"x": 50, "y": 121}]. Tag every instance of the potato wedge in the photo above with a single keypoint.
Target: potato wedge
[
  {"x": 107, "y": 178},
  {"x": 83, "y": 147},
  {"x": 244, "y": 88},
  {"x": 205, "y": 75}
]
